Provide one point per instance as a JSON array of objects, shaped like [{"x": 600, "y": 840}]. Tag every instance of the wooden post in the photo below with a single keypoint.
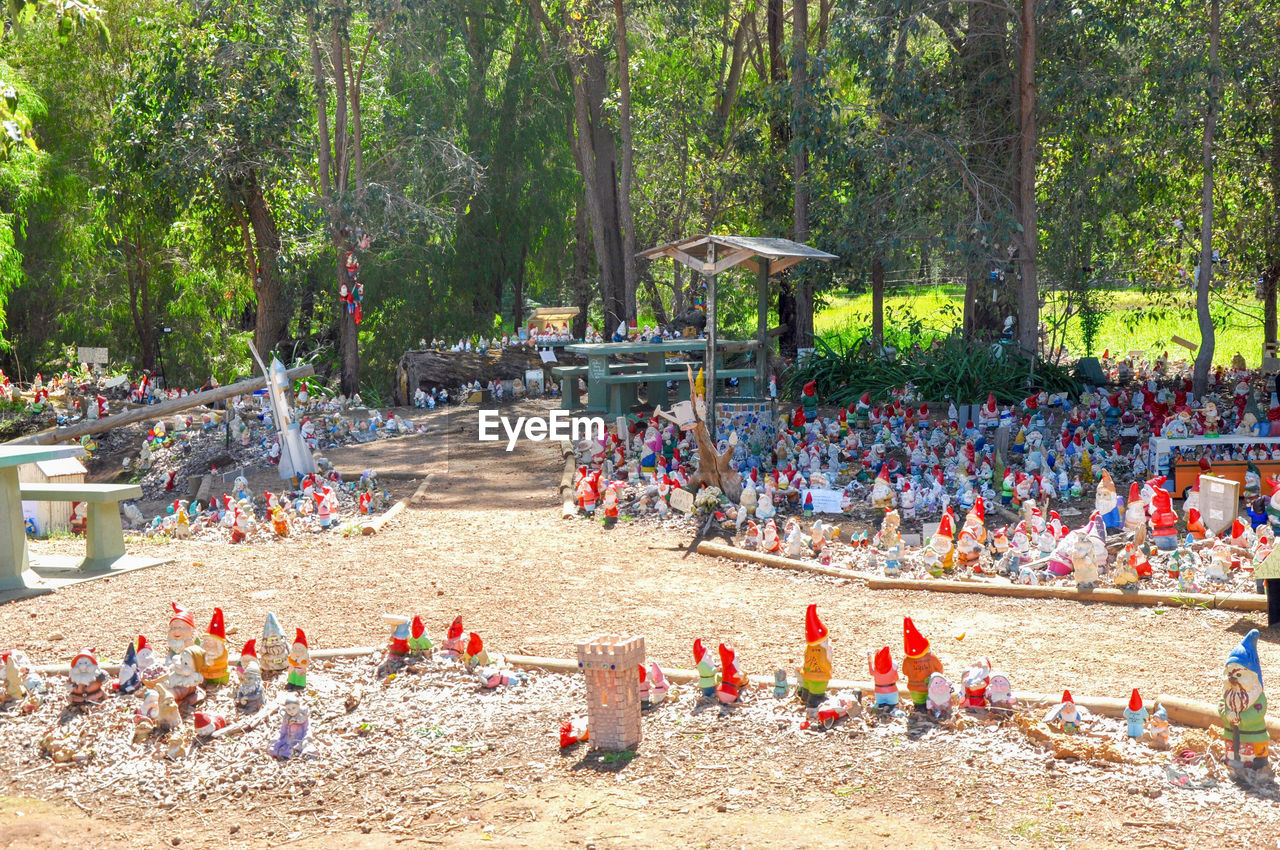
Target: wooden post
[
  {"x": 762, "y": 327},
  {"x": 710, "y": 365}
]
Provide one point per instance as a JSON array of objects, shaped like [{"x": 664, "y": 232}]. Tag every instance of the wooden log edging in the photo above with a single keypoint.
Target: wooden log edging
[
  {"x": 1184, "y": 712},
  {"x": 1229, "y": 601},
  {"x": 374, "y": 525},
  {"x": 569, "y": 504}
]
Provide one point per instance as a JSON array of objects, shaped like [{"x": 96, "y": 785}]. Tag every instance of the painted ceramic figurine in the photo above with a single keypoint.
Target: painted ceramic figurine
[
  {"x": 399, "y": 643},
  {"x": 781, "y": 687},
  {"x": 150, "y": 668},
  {"x": 185, "y": 679},
  {"x": 1065, "y": 714},
  {"x": 919, "y": 663},
  {"x": 1000, "y": 692},
  {"x": 815, "y": 672},
  {"x": 129, "y": 679},
  {"x": 975, "y": 681},
  {"x": 454, "y": 642},
  {"x": 418, "y": 640},
  {"x": 295, "y": 725},
  {"x": 249, "y": 694},
  {"x": 1157, "y": 732},
  {"x": 1243, "y": 708},
  {"x": 214, "y": 645},
  {"x": 14, "y": 689},
  {"x": 1135, "y": 715},
  {"x": 938, "y": 696},
  {"x": 1164, "y": 522},
  {"x": 884, "y": 674},
  {"x": 86, "y": 679},
  {"x": 732, "y": 680},
  {"x": 275, "y": 652},
  {"x": 708, "y": 675},
  {"x": 182, "y": 630},
  {"x": 658, "y": 685},
  {"x": 298, "y": 659}
]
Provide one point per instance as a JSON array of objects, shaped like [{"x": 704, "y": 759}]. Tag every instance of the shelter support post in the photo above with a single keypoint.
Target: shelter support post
[{"x": 762, "y": 328}]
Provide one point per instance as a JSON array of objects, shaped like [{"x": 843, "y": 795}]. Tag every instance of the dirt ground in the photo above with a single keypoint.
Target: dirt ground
[{"x": 488, "y": 543}]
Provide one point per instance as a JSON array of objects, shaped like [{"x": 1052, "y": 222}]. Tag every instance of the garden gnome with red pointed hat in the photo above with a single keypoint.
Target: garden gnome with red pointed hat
[
  {"x": 454, "y": 643},
  {"x": 1065, "y": 714},
  {"x": 708, "y": 675},
  {"x": 299, "y": 658},
  {"x": 884, "y": 673},
  {"x": 182, "y": 630},
  {"x": 1164, "y": 522},
  {"x": 815, "y": 672},
  {"x": 249, "y": 693},
  {"x": 214, "y": 645},
  {"x": 1135, "y": 715},
  {"x": 732, "y": 679},
  {"x": 809, "y": 399},
  {"x": 418, "y": 640},
  {"x": 918, "y": 664}
]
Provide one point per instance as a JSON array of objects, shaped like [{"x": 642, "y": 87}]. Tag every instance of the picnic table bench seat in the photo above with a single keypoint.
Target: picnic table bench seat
[
  {"x": 104, "y": 535},
  {"x": 622, "y": 394}
]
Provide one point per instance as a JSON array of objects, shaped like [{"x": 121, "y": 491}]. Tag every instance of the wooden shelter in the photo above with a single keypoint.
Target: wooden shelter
[
  {"x": 555, "y": 317},
  {"x": 709, "y": 255}
]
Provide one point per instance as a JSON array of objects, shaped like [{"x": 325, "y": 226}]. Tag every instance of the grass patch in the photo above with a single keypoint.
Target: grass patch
[{"x": 1129, "y": 322}]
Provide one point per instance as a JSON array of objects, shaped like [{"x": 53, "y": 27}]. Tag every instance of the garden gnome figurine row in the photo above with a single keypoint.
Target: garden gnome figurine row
[
  {"x": 919, "y": 663},
  {"x": 1243, "y": 708},
  {"x": 815, "y": 672}
]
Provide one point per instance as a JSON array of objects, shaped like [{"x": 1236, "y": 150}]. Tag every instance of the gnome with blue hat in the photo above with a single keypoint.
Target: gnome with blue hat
[{"x": 1243, "y": 708}]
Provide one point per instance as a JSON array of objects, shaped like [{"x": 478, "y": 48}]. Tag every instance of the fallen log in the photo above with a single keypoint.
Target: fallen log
[
  {"x": 1228, "y": 601},
  {"x": 374, "y": 525},
  {"x": 151, "y": 412}
]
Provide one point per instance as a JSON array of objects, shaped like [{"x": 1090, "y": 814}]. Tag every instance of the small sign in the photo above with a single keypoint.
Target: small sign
[
  {"x": 824, "y": 501},
  {"x": 92, "y": 356},
  {"x": 1185, "y": 343},
  {"x": 548, "y": 355},
  {"x": 1270, "y": 567},
  {"x": 682, "y": 501}
]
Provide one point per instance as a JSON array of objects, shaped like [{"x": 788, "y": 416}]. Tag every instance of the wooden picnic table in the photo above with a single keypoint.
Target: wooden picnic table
[
  {"x": 655, "y": 354},
  {"x": 15, "y": 562}
]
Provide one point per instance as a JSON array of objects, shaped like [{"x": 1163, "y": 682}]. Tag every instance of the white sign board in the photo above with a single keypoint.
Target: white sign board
[
  {"x": 548, "y": 355},
  {"x": 824, "y": 501},
  {"x": 682, "y": 501},
  {"x": 89, "y": 355}
]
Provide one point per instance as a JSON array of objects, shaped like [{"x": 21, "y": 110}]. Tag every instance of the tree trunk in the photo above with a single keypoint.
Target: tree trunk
[
  {"x": 775, "y": 188},
  {"x": 273, "y": 311},
  {"x": 877, "y": 299},
  {"x": 803, "y": 285},
  {"x": 581, "y": 268},
  {"x": 1028, "y": 292},
  {"x": 1204, "y": 359},
  {"x": 786, "y": 316},
  {"x": 1271, "y": 276},
  {"x": 517, "y": 301},
  {"x": 626, "y": 218}
]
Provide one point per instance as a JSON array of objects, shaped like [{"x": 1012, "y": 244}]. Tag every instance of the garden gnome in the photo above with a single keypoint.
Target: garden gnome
[
  {"x": 129, "y": 679},
  {"x": 150, "y": 668},
  {"x": 884, "y": 673},
  {"x": 13, "y": 686},
  {"x": 454, "y": 643},
  {"x": 182, "y": 630},
  {"x": 1084, "y": 562},
  {"x": 215, "y": 651},
  {"x": 815, "y": 673},
  {"x": 1243, "y": 708},
  {"x": 918, "y": 664},
  {"x": 167, "y": 717},
  {"x": 249, "y": 694},
  {"x": 1000, "y": 692},
  {"x": 275, "y": 653},
  {"x": 1135, "y": 715},
  {"x": 86, "y": 678},
  {"x": 975, "y": 681},
  {"x": 418, "y": 640},
  {"x": 658, "y": 685},
  {"x": 1135, "y": 516},
  {"x": 185, "y": 679},
  {"x": 1158, "y": 729},
  {"x": 1105, "y": 501},
  {"x": 399, "y": 645},
  {"x": 708, "y": 676},
  {"x": 733, "y": 679},
  {"x": 206, "y": 723},
  {"x": 294, "y": 727},
  {"x": 938, "y": 698},
  {"x": 1164, "y": 522},
  {"x": 1065, "y": 714},
  {"x": 475, "y": 653},
  {"x": 299, "y": 658}
]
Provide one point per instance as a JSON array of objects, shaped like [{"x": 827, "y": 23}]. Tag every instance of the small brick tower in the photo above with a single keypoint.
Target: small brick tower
[{"x": 611, "y": 665}]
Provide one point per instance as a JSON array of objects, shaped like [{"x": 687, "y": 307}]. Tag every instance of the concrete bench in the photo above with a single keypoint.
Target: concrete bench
[
  {"x": 622, "y": 393},
  {"x": 104, "y": 535}
]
